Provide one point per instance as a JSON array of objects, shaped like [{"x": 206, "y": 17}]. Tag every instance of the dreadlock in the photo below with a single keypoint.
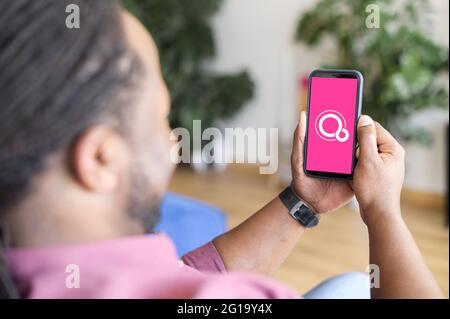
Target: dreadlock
[{"x": 55, "y": 82}]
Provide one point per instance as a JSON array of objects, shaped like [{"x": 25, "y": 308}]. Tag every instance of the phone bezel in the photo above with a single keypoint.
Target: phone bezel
[{"x": 351, "y": 74}]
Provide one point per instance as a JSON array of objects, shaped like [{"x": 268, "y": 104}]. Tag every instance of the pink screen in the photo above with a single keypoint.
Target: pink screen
[{"x": 332, "y": 110}]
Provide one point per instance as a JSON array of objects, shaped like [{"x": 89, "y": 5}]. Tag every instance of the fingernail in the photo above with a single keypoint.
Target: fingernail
[{"x": 365, "y": 120}]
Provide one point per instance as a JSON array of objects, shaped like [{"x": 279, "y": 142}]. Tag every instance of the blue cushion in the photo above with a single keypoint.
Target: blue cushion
[{"x": 189, "y": 223}]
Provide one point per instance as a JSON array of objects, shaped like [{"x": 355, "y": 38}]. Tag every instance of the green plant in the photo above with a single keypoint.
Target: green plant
[
  {"x": 182, "y": 32},
  {"x": 399, "y": 62}
]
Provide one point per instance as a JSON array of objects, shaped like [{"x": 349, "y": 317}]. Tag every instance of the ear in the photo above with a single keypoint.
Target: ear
[{"x": 99, "y": 159}]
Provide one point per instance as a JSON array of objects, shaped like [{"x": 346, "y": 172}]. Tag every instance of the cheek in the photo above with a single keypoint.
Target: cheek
[
  {"x": 167, "y": 144},
  {"x": 162, "y": 141},
  {"x": 157, "y": 159}
]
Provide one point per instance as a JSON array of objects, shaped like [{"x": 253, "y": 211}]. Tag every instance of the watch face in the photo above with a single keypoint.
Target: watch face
[
  {"x": 303, "y": 213},
  {"x": 306, "y": 217}
]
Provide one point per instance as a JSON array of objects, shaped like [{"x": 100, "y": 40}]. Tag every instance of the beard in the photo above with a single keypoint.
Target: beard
[{"x": 143, "y": 204}]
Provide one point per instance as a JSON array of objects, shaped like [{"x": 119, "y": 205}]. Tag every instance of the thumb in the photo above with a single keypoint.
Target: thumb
[{"x": 367, "y": 138}]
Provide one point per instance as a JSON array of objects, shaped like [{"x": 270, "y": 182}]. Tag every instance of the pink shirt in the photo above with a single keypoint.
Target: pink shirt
[{"x": 134, "y": 267}]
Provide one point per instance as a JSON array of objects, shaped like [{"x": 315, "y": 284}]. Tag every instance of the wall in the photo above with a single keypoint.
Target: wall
[{"x": 258, "y": 35}]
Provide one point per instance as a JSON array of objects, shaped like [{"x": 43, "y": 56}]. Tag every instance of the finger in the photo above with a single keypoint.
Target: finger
[
  {"x": 302, "y": 127},
  {"x": 386, "y": 142},
  {"x": 367, "y": 138},
  {"x": 299, "y": 138}
]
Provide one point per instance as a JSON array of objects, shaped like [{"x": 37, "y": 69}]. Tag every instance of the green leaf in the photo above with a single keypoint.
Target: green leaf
[
  {"x": 399, "y": 61},
  {"x": 184, "y": 36}
]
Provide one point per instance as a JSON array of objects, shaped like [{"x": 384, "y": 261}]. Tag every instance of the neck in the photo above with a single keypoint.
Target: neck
[
  {"x": 59, "y": 212},
  {"x": 34, "y": 225}
]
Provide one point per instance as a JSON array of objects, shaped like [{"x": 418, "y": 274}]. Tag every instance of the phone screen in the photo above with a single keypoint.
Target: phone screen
[{"x": 333, "y": 112}]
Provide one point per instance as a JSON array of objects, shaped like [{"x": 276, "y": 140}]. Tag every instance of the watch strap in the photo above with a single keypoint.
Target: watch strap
[
  {"x": 298, "y": 209},
  {"x": 289, "y": 198}
]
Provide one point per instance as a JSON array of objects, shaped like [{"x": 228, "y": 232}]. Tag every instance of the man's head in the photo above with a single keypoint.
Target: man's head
[{"x": 84, "y": 137}]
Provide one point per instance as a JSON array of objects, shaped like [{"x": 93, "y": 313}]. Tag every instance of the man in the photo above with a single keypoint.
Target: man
[{"x": 84, "y": 160}]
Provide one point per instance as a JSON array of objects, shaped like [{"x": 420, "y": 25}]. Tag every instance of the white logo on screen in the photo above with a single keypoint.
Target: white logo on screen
[{"x": 341, "y": 134}]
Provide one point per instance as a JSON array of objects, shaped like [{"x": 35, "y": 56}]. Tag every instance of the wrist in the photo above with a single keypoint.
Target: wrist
[
  {"x": 380, "y": 217},
  {"x": 281, "y": 207},
  {"x": 304, "y": 198},
  {"x": 298, "y": 208}
]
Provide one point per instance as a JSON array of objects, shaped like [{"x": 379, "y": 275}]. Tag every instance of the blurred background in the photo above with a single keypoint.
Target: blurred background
[{"x": 234, "y": 63}]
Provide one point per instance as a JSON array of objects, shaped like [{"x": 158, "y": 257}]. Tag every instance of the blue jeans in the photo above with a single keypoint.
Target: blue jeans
[{"x": 351, "y": 285}]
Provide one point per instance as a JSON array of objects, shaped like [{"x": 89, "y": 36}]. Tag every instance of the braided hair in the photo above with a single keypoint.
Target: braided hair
[{"x": 55, "y": 82}]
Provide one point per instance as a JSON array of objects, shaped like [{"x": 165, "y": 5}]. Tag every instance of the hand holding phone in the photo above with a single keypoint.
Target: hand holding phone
[
  {"x": 379, "y": 175},
  {"x": 334, "y": 106},
  {"x": 323, "y": 195}
]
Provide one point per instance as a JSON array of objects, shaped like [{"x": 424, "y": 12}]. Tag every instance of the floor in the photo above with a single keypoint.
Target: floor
[{"x": 340, "y": 244}]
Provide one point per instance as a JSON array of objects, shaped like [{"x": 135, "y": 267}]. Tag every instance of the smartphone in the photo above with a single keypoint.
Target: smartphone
[{"x": 334, "y": 106}]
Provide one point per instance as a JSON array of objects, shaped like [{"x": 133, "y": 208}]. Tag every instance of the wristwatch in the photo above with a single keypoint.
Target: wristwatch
[{"x": 298, "y": 209}]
